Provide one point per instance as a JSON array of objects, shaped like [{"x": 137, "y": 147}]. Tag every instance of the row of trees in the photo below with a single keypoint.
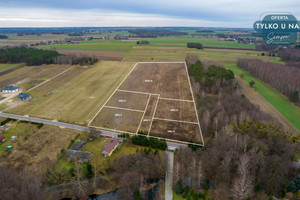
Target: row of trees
[
  {"x": 151, "y": 33},
  {"x": 194, "y": 45},
  {"x": 283, "y": 78},
  {"x": 142, "y": 42},
  {"x": 3, "y": 37},
  {"x": 75, "y": 60},
  {"x": 30, "y": 56},
  {"x": 292, "y": 55},
  {"x": 149, "y": 142},
  {"x": 255, "y": 163}
]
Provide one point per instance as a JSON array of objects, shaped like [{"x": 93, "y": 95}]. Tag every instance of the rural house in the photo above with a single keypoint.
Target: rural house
[
  {"x": 24, "y": 96},
  {"x": 110, "y": 147},
  {"x": 10, "y": 89},
  {"x": 81, "y": 156}
]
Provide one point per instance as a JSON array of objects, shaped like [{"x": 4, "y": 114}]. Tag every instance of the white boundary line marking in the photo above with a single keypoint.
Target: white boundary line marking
[
  {"x": 168, "y": 140},
  {"x": 173, "y": 120},
  {"x": 155, "y": 106},
  {"x": 187, "y": 73},
  {"x": 176, "y": 99},
  {"x": 148, "y": 93},
  {"x": 143, "y": 114},
  {"x": 119, "y": 108},
  {"x": 153, "y": 115},
  {"x": 112, "y": 94},
  {"x": 137, "y": 92}
]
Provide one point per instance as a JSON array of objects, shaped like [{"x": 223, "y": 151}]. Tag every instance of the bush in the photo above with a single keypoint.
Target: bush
[
  {"x": 179, "y": 187},
  {"x": 193, "y": 146},
  {"x": 62, "y": 150},
  {"x": 251, "y": 83},
  {"x": 40, "y": 125},
  {"x": 137, "y": 195},
  {"x": 5, "y": 121}
]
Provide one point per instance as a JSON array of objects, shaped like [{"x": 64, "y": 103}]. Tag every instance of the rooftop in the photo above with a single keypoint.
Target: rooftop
[
  {"x": 10, "y": 87},
  {"x": 78, "y": 145},
  {"x": 110, "y": 145},
  {"x": 82, "y": 155},
  {"x": 23, "y": 95}
]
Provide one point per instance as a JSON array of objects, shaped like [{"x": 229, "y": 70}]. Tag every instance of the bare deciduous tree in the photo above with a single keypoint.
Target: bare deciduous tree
[{"x": 242, "y": 186}]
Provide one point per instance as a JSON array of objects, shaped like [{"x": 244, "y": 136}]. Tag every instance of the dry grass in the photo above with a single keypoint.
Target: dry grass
[
  {"x": 117, "y": 119},
  {"x": 31, "y": 74},
  {"x": 39, "y": 149},
  {"x": 168, "y": 80},
  {"x": 78, "y": 99},
  {"x": 176, "y": 110},
  {"x": 176, "y": 130},
  {"x": 128, "y": 100},
  {"x": 145, "y": 125}
]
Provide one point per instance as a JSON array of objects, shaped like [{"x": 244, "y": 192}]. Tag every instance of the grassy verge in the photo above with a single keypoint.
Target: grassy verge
[
  {"x": 4, "y": 67},
  {"x": 177, "y": 196},
  {"x": 285, "y": 107}
]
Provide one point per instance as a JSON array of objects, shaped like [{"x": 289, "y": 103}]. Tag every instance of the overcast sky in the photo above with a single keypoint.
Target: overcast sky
[{"x": 105, "y": 13}]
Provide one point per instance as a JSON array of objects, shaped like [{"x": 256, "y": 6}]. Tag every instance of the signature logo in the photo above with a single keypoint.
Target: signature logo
[{"x": 278, "y": 29}]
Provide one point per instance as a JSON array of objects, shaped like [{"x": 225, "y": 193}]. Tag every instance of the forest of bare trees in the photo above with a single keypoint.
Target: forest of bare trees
[
  {"x": 254, "y": 164},
  {"x": 20, "y": 185},
  {"x": 285, "y": 79},
  {"x": 220, "y": 101},
  {"x": 135, "y": 172}
]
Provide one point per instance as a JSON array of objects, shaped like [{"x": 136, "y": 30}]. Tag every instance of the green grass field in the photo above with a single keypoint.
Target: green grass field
[
  {"x": 207, "y": 42},
  {"x": 284, "y": 106},
  {"x": 100, "y": 45}
]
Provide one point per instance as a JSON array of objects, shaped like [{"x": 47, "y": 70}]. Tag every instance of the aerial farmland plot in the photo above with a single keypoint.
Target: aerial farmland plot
[{"x": 155, "y": 98}]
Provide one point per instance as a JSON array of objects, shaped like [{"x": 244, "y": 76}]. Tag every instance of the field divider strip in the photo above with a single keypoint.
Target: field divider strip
[
  {"x": 176, "y": 99},
  {"x": 173, "y": 120},
  {"x": 143, "y": 114},
  {"x": 137, "y": 92},
  {"x": 119, "y": 108},
  {"x": 187, "y": 73},
  {"x": 50, "y": 79},
  {"x": 112, "y": 94},
  {"x": 153, "y": 115}
]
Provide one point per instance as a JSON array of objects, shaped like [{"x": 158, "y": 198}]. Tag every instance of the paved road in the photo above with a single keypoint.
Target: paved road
[
  {"x": 71, "y": 126},
  {"x": 55, "y": 123},
  {"x": 169, "y": 176}
]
